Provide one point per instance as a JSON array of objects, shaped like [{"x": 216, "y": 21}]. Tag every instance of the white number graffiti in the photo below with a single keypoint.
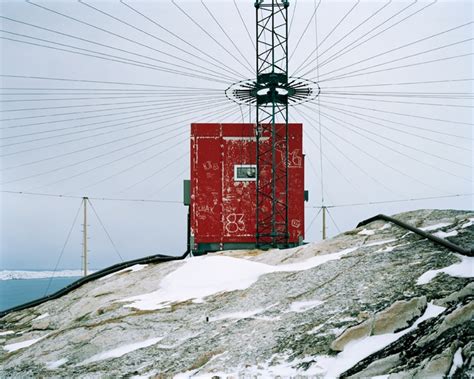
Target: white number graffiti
[
  {"x": 294, "y": 160},
  {"x": 208, "y": 165},
  {"x": 295, "y": 223},
  {"x": 235, "y": 222}
]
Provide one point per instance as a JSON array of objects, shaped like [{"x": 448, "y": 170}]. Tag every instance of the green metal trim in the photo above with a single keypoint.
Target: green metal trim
[
  {"x": 204, "y": 248},
  {"x": 187, "y": 192}
]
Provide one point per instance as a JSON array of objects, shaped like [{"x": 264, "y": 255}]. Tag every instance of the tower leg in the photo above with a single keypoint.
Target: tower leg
[{"x": 272, "y": 123}]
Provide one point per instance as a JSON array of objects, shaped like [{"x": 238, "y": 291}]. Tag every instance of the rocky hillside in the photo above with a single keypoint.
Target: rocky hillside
[{"x": 374, "y": 301}]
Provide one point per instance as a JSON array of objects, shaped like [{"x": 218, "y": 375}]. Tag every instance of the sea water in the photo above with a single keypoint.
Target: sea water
[{"x": 14, "y": 292}]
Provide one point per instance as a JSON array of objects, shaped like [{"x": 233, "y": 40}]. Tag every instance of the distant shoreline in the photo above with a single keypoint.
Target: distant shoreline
[{"x": 31, "y": 274}]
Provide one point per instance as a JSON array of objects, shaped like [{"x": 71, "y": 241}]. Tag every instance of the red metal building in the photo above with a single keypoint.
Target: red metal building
[{"x": 221, "y": 193}]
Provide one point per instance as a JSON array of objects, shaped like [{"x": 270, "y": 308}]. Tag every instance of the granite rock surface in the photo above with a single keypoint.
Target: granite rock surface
[{"x": 372, "y": 301}]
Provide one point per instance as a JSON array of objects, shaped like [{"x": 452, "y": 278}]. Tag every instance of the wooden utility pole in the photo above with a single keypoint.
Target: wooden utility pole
[
  {"x": 324, "y": 222},
  {"x": 84, "y": 236}
]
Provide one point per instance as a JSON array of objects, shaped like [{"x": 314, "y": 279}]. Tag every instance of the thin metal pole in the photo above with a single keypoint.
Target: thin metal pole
[
  {"x": 84, "y": 236},
  {"x": 324, "y": 222}
]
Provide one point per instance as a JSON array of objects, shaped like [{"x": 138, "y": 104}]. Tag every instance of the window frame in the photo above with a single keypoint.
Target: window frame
[{"x": 246, "y": 179}]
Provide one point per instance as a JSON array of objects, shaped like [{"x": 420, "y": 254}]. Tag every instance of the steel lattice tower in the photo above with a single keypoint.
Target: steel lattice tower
[
  {"x": 272, "y": 92},
  {"x": 272, "y": 122}
]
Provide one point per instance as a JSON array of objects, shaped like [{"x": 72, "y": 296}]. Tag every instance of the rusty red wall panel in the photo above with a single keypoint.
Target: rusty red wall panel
[
  {"x": 222, "y": 209},
  {"x": 238, "y": 197},
  {"x": 238, "y": 130},
  {"x": 206, "y": 200},
  {"x": 296, "y": 182},
  {"x": 208, "y": 130}
]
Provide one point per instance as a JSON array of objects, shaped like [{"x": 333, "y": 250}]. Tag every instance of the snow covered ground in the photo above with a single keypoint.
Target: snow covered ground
[
  {"x": 463, "y": 269},
  {"x": 207, "y": 275},
  {"x": 203, "y": 276},
  {"x": 442, "y": 234},
  {"x": 121, "y": 350},
  {"x": 262, "y": 313},
  {"x": 133, "y": 268},
  {"x": 303, "y": 306},
  {"x": 22, "y": 344},
  {"x": 359, "y": 349},
  {"x": 435, "y": 226},
  {"x": 325, "y": 366},
  {"x": 40, "y": 317}
]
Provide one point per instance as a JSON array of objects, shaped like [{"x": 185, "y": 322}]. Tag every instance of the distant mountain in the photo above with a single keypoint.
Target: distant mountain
[{"x": 373, "y": 301}]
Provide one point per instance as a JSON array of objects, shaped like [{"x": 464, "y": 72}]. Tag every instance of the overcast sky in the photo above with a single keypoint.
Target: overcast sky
[{"x": 387, "y": 134}]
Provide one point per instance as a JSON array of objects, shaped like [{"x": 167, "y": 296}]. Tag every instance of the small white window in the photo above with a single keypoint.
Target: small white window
[{"x": 245, "y": 172}]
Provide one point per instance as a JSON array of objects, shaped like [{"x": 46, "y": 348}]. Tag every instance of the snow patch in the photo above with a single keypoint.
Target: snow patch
[
  {"x": 236, "y": 315},
  {"x": 337, "y": 331},
  {"x": 281, "y": 370},
  {"x": 434, "y": 227},
  {"x": 40, "y": 317},
  {"x": 303, "y": 306},
  {"x": 377, "y": 243},
  {"x": 134, "y": 268},
  {"x": 10, "y": 275},
  {"x": 55, "y": 364},
  {"x": 7, "y": 333},
  {"x": 313, "y": 262},
  {"x": 122, "y": 350},
  {"x": 468, "y": 224},
  {"x": 148, "y": 375},
  {"x": 463, "y": 269},
  {"x": 389, "y": 249},
  {"x": 20, "y": 345},
  {"x": 442, "y": 234},
  {"x": 366, "y": 232},
  {"x": 241, "y": 315},
  {"x": 200, "y": 277},
  {"x": 386, "y": 226},
  {"x": 457, "y": 362},
  {"x": 316, "y": 329}
]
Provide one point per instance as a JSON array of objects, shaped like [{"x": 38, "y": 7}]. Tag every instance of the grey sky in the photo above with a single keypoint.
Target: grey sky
[{"x": 356, "y": 169}]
